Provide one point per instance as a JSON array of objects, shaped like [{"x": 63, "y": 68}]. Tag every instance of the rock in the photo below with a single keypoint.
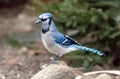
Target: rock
[
  {"x": 55, "y": 71},
  {"x": 2, "y": 76},
  {"x": 103, "y": 76},
  {"x": 117, "y": 77}
]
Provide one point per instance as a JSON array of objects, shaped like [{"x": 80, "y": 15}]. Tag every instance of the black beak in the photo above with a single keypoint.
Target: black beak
[{"x": 38, "y": 21}]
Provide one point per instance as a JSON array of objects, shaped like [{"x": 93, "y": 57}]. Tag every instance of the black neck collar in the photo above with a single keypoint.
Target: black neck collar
[{"x": 47, "y": 29}]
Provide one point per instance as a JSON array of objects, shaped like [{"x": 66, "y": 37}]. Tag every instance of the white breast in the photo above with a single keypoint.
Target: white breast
[
  {"x": 52, "y": 47},
  {"x": 47, "y": 41}
]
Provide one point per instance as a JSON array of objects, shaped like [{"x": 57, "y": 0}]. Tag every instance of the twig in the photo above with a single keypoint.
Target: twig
[{"x": 115, "y": 72}]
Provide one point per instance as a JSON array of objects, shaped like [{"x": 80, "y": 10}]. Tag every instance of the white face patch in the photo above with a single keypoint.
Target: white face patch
[{"x": 46, "y": 21}]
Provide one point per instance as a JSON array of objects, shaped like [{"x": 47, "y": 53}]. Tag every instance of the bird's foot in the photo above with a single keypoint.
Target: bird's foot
[
  {"x": 49, "y": 63},
  {"x": 57, "y": 57},
  {"x": 53, "y": 61}
]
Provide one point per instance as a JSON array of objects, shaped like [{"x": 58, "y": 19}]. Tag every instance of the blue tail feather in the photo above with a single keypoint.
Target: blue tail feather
[{"x": 89, "y": 49}]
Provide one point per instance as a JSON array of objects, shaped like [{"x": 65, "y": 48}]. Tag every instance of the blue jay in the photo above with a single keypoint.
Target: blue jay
[{"x": 58, "y": 43}]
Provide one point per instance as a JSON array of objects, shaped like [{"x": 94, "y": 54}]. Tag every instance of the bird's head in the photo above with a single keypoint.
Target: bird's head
[{"x": 44, "y": 18}]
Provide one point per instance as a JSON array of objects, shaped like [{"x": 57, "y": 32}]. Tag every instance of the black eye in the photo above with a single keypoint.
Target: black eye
[{"x": 44, "y": 19}]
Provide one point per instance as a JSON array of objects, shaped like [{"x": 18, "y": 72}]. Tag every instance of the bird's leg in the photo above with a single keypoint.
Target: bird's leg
[
  {"x": 57, "y": 57},
  {"x": 52, "y": 61}
]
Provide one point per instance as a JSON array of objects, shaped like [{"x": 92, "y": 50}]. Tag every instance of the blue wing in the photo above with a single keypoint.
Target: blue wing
[{"x": 65, "y": 40}]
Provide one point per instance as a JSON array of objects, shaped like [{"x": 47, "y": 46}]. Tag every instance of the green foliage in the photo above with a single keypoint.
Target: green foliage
[
  {"x": 14, "y": 42},
  {"x": 96, "y": 18},
  {"x": 88, "y": 17}
]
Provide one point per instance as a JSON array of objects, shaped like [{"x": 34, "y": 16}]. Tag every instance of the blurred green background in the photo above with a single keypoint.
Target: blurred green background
[{"x": 94, "y": 23}]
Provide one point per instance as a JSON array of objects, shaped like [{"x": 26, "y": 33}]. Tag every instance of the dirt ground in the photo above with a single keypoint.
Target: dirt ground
[{"x": 20, "y": 62}]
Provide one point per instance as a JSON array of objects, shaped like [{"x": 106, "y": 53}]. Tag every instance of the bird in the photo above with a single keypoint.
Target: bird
[{"x": 56, "y": 42}]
